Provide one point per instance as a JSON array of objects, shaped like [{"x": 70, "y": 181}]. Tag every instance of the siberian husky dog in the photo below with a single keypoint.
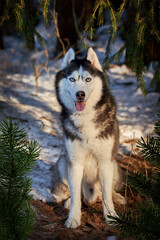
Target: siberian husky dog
[{"x": 91, "y": 137}]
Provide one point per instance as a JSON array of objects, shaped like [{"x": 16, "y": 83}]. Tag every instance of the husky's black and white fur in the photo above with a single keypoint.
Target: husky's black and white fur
[{"x": 91, "y": 137}]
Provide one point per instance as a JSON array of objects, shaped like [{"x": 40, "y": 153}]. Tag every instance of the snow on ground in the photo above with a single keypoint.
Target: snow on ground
[{"x": 38, "y": 113}]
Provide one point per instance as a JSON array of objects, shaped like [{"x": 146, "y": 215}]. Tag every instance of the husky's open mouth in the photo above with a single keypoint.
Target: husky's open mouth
[{"x": 80, "y": 105}]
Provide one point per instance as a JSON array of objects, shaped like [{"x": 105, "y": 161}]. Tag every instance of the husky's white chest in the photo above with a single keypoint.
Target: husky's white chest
[
  {"x": 89, "y": 141},
  {"x": 88, "y": 130}
]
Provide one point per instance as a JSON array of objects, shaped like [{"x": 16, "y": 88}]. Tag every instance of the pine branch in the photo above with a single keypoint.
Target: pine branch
[
  {"x": 22, "y": 16},
  {"x": 138, "y": 226},
  {"x": 113, "y": 58},
  {"x": 150, "y": 150},
  {"x": 90, "y": 22},
  {"x": 144, "y": 222},
  {"x": 99, "y": 9},
  {"x": 108, "y": 50},
  {"x": 45, "y": 11},
  {"x": 155, "y": 81},
  {"x": 5, "y": 11},
  {"x": 140, "y": 183},
  {"x": 152, "y": 19},
  {"x": 140, "y": 79},
  {"x": 121, "y": 9},
  {"x": 113, "y": 16},
  {"x": 145, "y": 186},
  {"x": 17, "y": 158},
  {"x": 141, "y": 33}
]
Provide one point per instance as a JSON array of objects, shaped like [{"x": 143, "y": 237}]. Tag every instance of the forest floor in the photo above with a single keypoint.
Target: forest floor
[
  {"x": 52, "y": 216},
  {"x": 27, "y": 94}
]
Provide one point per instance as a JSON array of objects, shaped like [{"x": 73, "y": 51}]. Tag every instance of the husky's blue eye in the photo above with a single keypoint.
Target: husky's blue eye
[
  {"x": 72, "y": 79},
  {"x": 88, "y": 79}
]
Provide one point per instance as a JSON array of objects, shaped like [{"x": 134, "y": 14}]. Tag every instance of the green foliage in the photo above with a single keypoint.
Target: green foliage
[
  {"x": 23, "y": 17},
  {"x": 140, "y": 225},
  {"x": 150, "y": 149},
  {"x": 144, "y": 222},
  {"x": 17, "y": 158},
  {"x": 45, "y": 6},
  {"x": 141, "y": 32},
  {"x": 99, "y": 8}
]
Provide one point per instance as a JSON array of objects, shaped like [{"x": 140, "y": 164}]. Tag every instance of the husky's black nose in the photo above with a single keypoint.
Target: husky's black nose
[{"x": 80, "y": 95}]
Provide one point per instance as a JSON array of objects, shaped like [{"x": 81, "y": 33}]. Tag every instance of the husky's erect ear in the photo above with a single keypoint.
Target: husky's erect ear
[
  {"x": 68, "y": 57},
  {"x": 92, "y": 57}
]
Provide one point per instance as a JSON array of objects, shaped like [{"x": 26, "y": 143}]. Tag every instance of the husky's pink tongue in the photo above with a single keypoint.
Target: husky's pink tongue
[{"x": 80, "y": 106}]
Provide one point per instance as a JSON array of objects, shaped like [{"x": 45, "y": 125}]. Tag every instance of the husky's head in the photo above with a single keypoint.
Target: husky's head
[{"x": 80, "y": 82}]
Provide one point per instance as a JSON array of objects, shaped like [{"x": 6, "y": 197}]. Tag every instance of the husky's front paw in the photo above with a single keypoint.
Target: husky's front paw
[
  {"x": 111, "y": 213},
  {"x": 72, "y": 223}
]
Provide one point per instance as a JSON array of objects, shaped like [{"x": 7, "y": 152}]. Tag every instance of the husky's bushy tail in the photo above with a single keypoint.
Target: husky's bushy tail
[{"x": 91, "y": 191}]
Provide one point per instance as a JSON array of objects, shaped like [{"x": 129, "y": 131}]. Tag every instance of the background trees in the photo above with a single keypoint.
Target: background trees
[{"x": 138, "y": 21}]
